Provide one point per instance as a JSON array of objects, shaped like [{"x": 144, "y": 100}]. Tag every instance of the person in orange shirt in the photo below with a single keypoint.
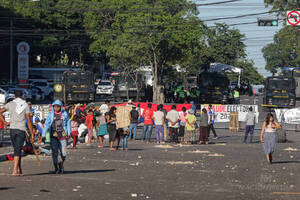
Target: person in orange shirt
[{"x": 89, "y": 124}]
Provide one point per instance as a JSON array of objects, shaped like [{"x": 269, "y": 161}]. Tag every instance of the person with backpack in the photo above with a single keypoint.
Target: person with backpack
[{"x": 59, "y": 127}]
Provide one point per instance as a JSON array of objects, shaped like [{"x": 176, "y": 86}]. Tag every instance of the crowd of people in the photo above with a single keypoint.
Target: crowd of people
[{"x": 97, "y": 123}]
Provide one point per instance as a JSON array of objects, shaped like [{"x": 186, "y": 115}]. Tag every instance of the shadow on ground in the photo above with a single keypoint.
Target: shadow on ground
[
  {"x": 75, "y": 172},
  {"x": 286, "y": 162}
]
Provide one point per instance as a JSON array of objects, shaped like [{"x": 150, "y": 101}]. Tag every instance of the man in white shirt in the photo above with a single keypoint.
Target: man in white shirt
[
  {"x": 104, "y": 108},
  {"x": 173, "y": 117},
  {"x": 159, "y": 119}
]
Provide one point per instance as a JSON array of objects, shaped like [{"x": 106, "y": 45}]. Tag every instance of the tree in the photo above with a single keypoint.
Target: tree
[
  {"x": 160, "y": 32},
  {"x": 53, "y": 28},
  {"x": 226, "y": 45},
  {"x": 284, "y": 51},
  {"x": 283, "y": 5}
]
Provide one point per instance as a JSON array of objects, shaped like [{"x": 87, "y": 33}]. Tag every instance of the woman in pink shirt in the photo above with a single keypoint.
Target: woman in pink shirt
[{"x": 74, "y": 130}]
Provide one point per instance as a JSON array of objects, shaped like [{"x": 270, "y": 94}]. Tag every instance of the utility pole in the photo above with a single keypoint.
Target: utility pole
[{"x": 11, "y": 53}]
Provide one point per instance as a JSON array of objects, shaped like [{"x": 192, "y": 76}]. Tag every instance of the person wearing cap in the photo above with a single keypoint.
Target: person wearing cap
[
  {"x": 190, "y": 120},
  {"x": 134, "y": 120},
  {"x": 211, "y": 121},
  {"x": 173, "y": 117}
]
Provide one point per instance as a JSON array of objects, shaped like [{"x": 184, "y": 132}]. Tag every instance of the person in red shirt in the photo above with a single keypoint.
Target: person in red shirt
[
  {"x": 89, "y": 124},
  {"x": 2, "y": 131},
  {"x": 148, "y": 123}
]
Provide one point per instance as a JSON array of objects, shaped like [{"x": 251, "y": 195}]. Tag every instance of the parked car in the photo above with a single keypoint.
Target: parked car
[
  {"x": 105, "y": 88},
  {"x": 44, "y": 86},
  {"x": 3, "y": 96},
  {"x": 37, "y": 94}
]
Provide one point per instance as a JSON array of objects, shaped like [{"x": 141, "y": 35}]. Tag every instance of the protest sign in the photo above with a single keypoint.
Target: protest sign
[{"x": 222, "y": 112}]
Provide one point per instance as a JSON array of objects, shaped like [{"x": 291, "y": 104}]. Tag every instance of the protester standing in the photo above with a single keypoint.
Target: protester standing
[
  {"x": 19, "y": 111},
  {"x": 182, "y": 116},
  {"x": 111, "y": 127},
  {"x": 102, "y": 128},
  {"x": 148, "y": 123},
  {"x": 159, "y": 118},
  {"x": 59, "y": 126},
  {"x": 165, "y": 121},
  {"x": 189, "y": 135},
  {"x": 134, "y": 119},
  {"x": 267, "y": 136},
  {"x": 105, "y": 107},
  {"x": 211, "y": 121},
  {"x": 250, "y": 124},
  {"x": 173, "y": 117},
  {"x": 74, "y": 130},
  {"x": 89, "y": 124},
  {"x": 203, "y": 138}
]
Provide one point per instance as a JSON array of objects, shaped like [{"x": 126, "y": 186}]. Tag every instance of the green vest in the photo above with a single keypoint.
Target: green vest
[
  {"x": 181, "y": 94},
  {"x": 236, "y": 94}
]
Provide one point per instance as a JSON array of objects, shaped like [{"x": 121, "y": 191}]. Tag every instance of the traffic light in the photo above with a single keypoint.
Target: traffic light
[{"x": 267, "y": 21}]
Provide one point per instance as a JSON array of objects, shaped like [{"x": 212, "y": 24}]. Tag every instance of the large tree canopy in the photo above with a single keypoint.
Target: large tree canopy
[{"x": 285, "y": 50}]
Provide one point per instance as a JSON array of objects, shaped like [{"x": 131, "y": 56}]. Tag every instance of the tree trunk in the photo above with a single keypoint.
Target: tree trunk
[
  {"x": 137, "y": 87},
  {"x": 158, "y": 95}
]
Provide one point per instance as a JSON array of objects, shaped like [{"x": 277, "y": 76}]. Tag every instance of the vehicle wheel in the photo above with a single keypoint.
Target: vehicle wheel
[{"x": 280, "y": 136}]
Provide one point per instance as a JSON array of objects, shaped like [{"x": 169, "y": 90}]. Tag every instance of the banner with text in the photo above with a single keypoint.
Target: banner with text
[
  {"x": 222, "y": 112},
  {"x": 288, "y": 116}
]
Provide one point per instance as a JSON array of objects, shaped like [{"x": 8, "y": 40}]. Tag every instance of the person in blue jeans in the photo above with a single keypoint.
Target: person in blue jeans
[
  {"x": 250, "y": 124},
  {"x": 134, "y": 119},
  {"x": 124, "y": 139},
  {"x": 148, "y": 123},
  {"x": 59, "y": 127}
]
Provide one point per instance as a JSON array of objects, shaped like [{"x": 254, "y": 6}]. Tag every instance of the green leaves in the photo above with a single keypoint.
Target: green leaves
[{"x": 284, "y": 51}]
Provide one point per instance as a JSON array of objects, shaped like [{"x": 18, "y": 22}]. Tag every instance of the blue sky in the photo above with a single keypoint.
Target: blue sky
[{"x": 256, "y": 36}]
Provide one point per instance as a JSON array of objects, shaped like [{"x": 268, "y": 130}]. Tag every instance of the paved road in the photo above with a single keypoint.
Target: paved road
[{"x": 224, "y": 169}]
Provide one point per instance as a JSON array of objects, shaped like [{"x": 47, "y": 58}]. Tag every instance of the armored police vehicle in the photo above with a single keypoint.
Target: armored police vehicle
[
  {"x": 214, "y": 88},
  {"x": 280, "y": 92},
  {"x": 75, "y": 87}
]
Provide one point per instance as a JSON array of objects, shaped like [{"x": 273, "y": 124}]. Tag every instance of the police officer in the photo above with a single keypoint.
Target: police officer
[{"x": 236, "y": 96}]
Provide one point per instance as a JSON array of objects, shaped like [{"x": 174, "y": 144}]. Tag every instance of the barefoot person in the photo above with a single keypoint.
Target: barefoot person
[
  {"x": 267, "y": 136},
  {"x": 18, "y": 110},
  {"x": 102, "y": 128},
  {"x": 59, "y": 127},
  {"x": 111, "y": 127}
]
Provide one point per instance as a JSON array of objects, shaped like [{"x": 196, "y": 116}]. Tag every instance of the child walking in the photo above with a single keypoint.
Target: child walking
[
  {"x": 102, "y": 128},
  {"x": 124, "y": 137},
  {"x": 74, "y": 130}
]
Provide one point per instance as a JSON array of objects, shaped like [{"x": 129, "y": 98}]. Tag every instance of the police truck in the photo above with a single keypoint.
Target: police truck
[
  {"x": 75, "y": 87},
  {"x": 279, "y": 92}
]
